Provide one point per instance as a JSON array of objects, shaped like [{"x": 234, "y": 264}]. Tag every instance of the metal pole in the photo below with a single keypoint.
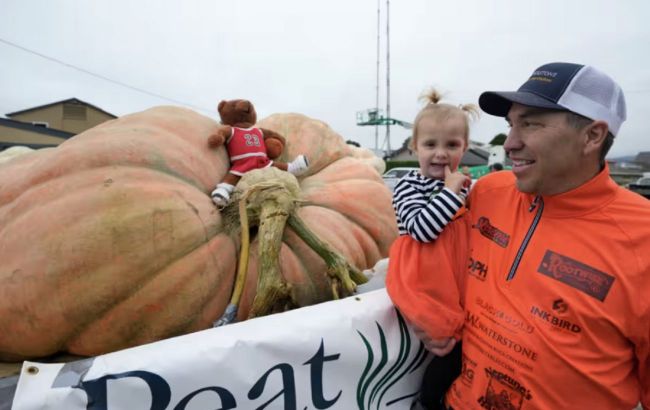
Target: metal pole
[
  {"x": 377, "y": 88},
  {"x": 388, "y": 76}
]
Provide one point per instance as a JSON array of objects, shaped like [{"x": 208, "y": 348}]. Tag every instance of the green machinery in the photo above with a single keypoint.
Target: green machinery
[{"x": 375, "y": 116}]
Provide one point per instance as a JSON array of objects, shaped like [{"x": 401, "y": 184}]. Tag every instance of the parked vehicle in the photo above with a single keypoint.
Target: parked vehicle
[
  {"x": 641, "y": 186},
  {"x": 392, "y": 176}
]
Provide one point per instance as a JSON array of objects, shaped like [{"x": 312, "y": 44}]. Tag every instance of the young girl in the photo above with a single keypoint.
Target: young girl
[
  {"x": 426, "y": 201},
  {"x": 425, "y": 278}
]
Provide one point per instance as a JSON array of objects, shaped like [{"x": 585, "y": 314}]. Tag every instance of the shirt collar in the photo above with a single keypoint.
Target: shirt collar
[{"x": 587, "y": 198}]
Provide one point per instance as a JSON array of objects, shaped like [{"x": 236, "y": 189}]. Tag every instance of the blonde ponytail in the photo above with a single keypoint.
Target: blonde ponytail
[
  {"x": 430, "y": 96},
  {"x": 471, "y": 110}
]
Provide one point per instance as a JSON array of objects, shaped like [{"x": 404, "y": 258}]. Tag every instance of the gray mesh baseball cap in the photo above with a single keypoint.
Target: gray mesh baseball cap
[{"x": 577, "y": 88}]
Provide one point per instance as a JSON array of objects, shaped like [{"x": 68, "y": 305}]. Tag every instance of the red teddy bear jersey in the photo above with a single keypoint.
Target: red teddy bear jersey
[{"x": 247, "y": 150}]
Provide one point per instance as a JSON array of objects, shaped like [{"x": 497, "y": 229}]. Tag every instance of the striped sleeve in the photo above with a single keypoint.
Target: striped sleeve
[{"x": 424, "y": 207}]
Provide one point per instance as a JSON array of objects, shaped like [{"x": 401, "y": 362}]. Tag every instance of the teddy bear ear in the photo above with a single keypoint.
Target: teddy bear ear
[
  {"x": 244, "y": 106},
  {"x": 221, "y": 104}
]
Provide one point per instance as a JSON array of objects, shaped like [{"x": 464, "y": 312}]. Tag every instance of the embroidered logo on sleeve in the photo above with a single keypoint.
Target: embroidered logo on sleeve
[
  {"x": 576, "y": 274},
  {"x": 492, "y": 232}
]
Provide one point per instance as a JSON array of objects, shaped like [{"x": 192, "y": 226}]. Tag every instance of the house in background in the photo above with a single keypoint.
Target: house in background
[
  {"x": 643, "y": 159},
  {"x": 51, "y": 124},
  {"x": 627, "y": 169},
  {"x": 497, "y": 152}
]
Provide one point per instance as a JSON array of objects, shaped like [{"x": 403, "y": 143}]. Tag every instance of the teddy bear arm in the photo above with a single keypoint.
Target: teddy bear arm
[
  {"x": 220, "y": 136},
  {"x": 274, "y": 143},
  {"x": 270, "y": 134}
]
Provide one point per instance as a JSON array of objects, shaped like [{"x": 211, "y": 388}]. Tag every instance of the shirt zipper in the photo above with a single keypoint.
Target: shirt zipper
[{"x": 538, "y": 203}]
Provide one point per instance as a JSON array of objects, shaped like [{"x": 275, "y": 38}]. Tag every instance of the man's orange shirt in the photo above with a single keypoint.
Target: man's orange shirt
[{"x": 557, "y": 300}]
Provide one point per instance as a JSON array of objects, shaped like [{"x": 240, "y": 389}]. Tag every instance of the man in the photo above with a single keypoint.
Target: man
[
  {"x": 557, "y": 301},
  {"x": 497, "y": 166}
]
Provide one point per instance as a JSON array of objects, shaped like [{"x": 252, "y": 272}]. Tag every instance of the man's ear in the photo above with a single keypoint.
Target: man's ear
[{"x": 595, "y": 134}]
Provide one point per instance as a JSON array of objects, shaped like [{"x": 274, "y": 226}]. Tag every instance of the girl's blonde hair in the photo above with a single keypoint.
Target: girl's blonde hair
[{"x": 442, "y": 112}]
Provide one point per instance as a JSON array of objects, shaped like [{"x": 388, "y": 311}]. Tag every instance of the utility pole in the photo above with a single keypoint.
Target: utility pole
[
  {"x": 374, "y": 116},
  {"x": 377, "y": 88},
  {"x": 388, "y": 76}
]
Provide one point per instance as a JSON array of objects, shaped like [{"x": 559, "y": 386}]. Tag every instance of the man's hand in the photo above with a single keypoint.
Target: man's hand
[
  {"x": 456, "y": 180},
  {"x": 439, "y": 347}
]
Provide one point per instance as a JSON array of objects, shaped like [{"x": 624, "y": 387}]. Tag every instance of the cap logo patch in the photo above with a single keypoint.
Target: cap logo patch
[{"x": 543, "y": 75}]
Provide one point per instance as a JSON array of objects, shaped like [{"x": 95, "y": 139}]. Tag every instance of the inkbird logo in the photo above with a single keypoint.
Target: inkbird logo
[
  {"x": 560, "y": 306},
  {"x": 376, "y": 379},
  {"x": 556, "y": 317}
]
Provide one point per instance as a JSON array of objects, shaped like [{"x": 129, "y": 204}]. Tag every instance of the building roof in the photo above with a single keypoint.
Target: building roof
[
  {"x": 643, "y": 157},
  {"x": 498, "y": 139},
  {"x": 26, "y": 126},
  {"x": 69, "y": 100},
  {"x": 475, "y": 156},
  {"x": 7, "y": 145}
]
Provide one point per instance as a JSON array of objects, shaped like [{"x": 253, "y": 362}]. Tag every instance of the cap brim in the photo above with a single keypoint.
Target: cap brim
[{"x": 499, "y": 102}]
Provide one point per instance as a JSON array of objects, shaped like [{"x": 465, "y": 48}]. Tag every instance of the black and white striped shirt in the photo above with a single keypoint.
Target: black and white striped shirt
[{"x": 424, "y": 206}]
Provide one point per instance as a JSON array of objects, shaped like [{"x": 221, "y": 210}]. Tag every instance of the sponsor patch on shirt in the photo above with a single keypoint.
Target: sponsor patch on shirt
[
  {"x": 492, "y": 232},
  {"x": 503, "y": 392},
  {"x": 477, "y": 269},
  {"x": 576, "y": 274}
]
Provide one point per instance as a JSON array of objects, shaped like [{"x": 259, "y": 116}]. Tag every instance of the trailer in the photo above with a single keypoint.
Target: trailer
[{"x": 356, "y": 352}]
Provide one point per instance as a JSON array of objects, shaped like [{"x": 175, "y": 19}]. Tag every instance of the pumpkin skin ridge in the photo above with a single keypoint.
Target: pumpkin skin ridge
[
  {"x": 321, "y": 195},
  {"x": 314, "y": 185},
  {"x": 137, "y": 334},
  {"x": 334, "y": 237},
  {"x": 153, "y": 271},
  {"x": 103, "y": 309},
  {"x": 330, "y": 178},
  {"x": 304, "y": 136},
  {"x": 339, "y": 170},
  {"x": 136, "y": 329},
  {"x": 370, "y": 255},
  {"x": 350, "y": 218},
  {"x": 35, "y": 184},
  {"x": 20, "y": 204},
  {"x": 208, "y": 229}
]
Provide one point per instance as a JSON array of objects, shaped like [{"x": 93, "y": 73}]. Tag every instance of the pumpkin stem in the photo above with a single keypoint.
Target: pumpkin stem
[
  {"x": 273, "y": 292},
  {"x": 272, "y": 197},
  {"x": 342, "y": 273},
  {"x": 230, "y": 313}
]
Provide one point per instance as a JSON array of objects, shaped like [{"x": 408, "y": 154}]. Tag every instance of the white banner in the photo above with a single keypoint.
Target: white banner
[{"x": 355, "y": 353}]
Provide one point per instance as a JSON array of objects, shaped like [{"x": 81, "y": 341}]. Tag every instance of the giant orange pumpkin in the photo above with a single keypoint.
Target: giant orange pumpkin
[{"x": 111, "y": 239}]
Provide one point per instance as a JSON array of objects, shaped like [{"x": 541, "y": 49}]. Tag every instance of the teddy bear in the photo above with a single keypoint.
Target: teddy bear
[{"x": 248, "y": 147}]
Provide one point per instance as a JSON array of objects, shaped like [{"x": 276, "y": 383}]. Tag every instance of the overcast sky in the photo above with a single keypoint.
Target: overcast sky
[{"x": 315, "y": 57}]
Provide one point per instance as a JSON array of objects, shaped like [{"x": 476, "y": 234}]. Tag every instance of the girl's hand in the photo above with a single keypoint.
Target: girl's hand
[
  {"x": 456, "y": 180},
  {"x": 439, "y": 347}
]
